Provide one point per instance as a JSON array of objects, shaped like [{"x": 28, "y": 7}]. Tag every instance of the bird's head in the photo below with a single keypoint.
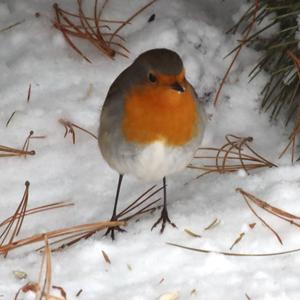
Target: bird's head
[{"x": 162, "y": 68}]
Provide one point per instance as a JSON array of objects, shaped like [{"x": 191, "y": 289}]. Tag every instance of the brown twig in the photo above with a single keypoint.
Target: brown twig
[
  {"x": 69, "y": 129},
  {"x": 238, "y": 50}
]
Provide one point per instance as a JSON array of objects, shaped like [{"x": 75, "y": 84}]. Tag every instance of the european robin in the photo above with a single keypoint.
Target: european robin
[{"x": 151, "y": 122}]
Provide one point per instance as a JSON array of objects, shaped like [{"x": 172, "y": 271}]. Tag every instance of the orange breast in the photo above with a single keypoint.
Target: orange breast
[{"x": 154, "y": 113}]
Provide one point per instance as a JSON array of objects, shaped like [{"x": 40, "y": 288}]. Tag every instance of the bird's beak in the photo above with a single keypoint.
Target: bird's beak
[{"x": 177, "y": 87}]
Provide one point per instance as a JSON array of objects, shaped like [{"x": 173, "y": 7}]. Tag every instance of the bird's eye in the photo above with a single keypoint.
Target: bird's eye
[{"x": 152, "y": 78}]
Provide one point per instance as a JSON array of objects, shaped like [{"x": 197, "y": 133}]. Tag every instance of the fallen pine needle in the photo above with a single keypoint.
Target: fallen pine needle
[
  {"x": 235, "y": 253},
  {"x": 238, "y": 50},
  {"x": 69, "y": 129},
  {"x": 286, "y": 216},
  {"x": 69, "y": 232},
  {"x": 10, "y": 118},
  {"x": 29, "y": 93},
  {"x": 79, "y": 292},
  {"x": 213, "y": 224},
  {"x": 237, "y": 240},
  {"x": 263, "y": 221},
  {"x": 38, "y": 209},
  {"x": 11, "y": 152},
  {"x": 235, "y": 155},
  {"x": 11, "y": 26},
  {"x": 61, "y": 290},
  {"x": 15, "y": 223}
]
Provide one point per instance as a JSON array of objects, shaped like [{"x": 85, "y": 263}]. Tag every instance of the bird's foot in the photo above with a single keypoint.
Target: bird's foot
[
  {"x": 111, "y": 230},
  {"x": 164, "y": 218}
]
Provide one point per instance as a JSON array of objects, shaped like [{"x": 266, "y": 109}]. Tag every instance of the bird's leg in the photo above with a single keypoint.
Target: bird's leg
[
  {"x": 164, "y": 217},
  {"x": 114, "y": 214}
]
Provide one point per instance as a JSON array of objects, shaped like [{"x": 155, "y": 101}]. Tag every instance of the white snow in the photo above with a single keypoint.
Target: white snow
[{"x": 143, "y": 266}]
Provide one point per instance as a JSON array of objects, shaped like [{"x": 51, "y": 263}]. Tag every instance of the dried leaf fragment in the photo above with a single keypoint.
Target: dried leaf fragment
[
  {"x": 191, "y": 233},
  {"x": 105, "y": 256},
  {"x": 193, "y": 292},
  {"x": 29, "y": 286},
  {"x": 252, "y": 225}
]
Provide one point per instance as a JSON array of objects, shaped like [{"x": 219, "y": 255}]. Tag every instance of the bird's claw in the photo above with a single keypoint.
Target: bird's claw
[
  {"x": 164, "y": 218},
  {"x": 111, "y": 231}
]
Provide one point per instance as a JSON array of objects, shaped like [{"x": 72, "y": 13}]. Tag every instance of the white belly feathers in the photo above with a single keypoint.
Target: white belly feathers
[{"x": 153, "y": 162}]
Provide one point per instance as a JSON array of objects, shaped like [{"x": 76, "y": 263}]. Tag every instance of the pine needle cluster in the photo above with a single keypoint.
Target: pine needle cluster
[{"x": 281, "y": 52}]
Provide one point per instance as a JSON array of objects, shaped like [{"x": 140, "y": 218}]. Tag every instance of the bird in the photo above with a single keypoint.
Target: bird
[{"x": 151, "y": 123}]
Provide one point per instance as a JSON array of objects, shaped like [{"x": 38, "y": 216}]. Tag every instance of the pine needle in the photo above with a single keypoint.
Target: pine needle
[
  {"x": 286, "y": 216},
  {"x": 236, "y": 154},
  {"x": 213, "y": 224},
  {"x": 238, "y": 50},
  {"x": 207, "y": 251},
  {"x": 93, "y": 29},
  {"x": 69, "y": 128},
  {"x": 14, "y": 225},
  {"x": 11, "y": 152}
]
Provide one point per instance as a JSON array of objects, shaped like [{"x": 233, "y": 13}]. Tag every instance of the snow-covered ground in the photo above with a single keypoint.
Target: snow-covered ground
[{"x": 142, "y": 265}]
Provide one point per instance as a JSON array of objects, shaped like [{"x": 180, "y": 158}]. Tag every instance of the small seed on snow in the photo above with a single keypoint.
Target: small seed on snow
[
  {"x": 169, "y": 296},
  {"x": 20, "y": 274}
]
